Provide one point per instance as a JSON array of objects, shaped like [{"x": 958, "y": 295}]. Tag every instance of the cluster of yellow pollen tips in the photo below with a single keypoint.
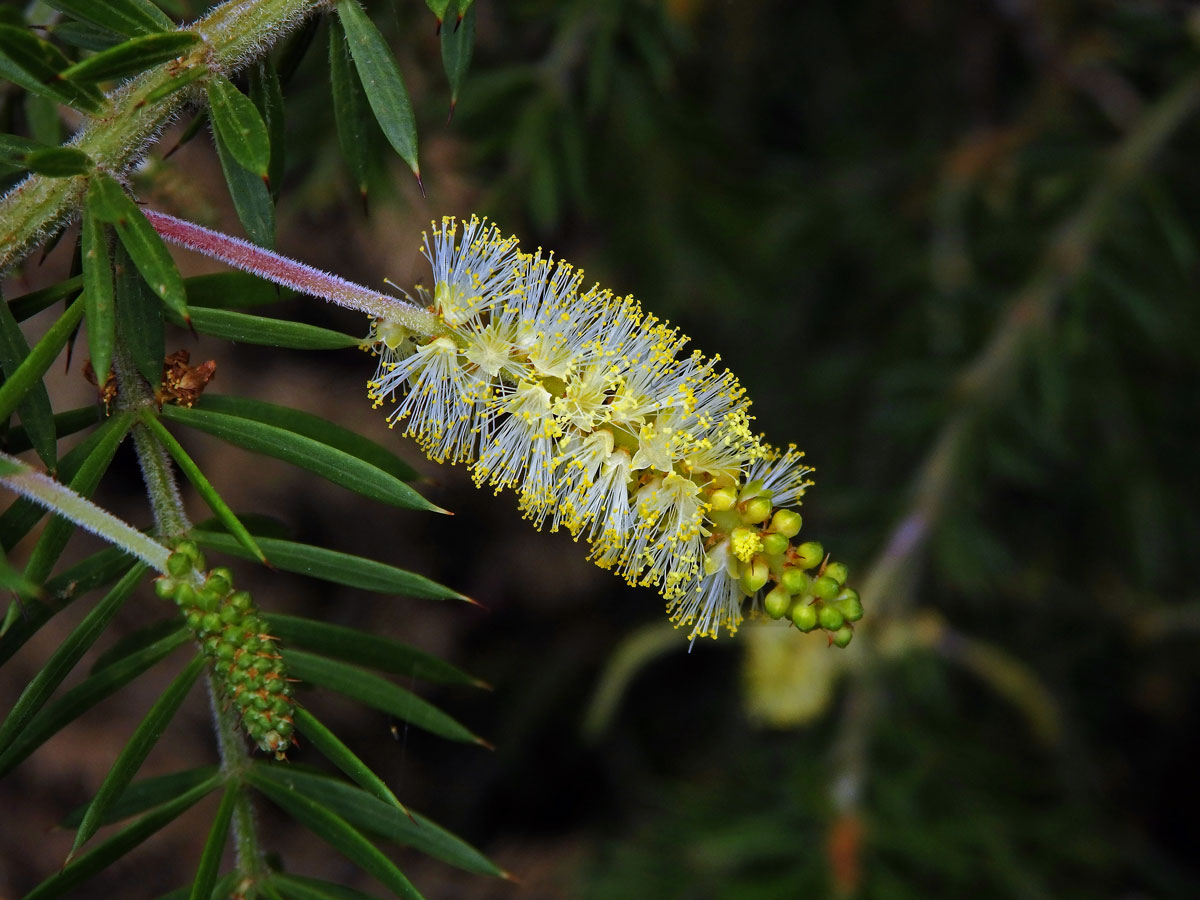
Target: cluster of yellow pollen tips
[
  {"x": 232, "y": 634},
  {"x": 590, "y": 410}
]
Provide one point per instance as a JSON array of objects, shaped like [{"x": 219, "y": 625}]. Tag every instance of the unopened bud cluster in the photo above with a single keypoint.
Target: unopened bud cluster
[
  {"x": 592, "y": 412},
  {"x": 234, "y": 637}
]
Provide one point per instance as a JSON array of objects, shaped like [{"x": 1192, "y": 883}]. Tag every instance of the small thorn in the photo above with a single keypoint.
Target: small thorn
[
  {"x": 509, "y": 876},
  {"x": 417, "y": 172},
  {"x": 437, "y": 32},
  {"x": 480, "y": 683},
  {"x": 362, "y": 191},
  {"x": 482, "y": 743},
  {"x": 472, "y": 601},
  {"x": 457, "y": 23},
  {"x": 453, "y": 104}
]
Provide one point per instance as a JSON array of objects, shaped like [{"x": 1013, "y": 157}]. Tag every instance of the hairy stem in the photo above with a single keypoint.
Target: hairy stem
[
  {"x": 233, "y": 35},
  {"x": 290, "y": 273}
]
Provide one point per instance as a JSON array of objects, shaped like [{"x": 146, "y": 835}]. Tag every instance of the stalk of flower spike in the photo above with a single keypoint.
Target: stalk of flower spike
[{"x": 590, "y": 410}]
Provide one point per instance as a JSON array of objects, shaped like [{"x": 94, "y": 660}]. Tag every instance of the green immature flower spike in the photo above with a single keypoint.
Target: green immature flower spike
[
  {"x": 591, "y": 410},
  {"x": 233, "y": 636}
]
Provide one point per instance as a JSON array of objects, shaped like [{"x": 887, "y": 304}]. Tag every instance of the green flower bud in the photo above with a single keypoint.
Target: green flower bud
[
  {"x": 756, "y": 510},
  {"x": 185, "y": 596},
  {"x": 837, "y": 571},
  {"x": 210, "y": 623},
  {"x": 774, "y": 544},
  {"x": 193, "y": 620},
  {"x": 179, "y": 565},
  {"x": 240, "y": 600},
  {"x": 225, "y": 651},
  {"x": 754, "y": 575},
  {"x": 220, "y": 581},
  {"x": 795, "y": 581},
  {"x": 192, "y": 552},
  {"x": 850, "y": 605},
  {"x": 804, "y": 616},
  {"x": 777, "y": 602},
  {"x": 825, "y": 587},
  {"x": 843, "y": 636},
  {"x": 230, "y": 615},
  {"x": 164, "y": 588},
  {"x": 831, "y": 618},
  {"x": 723, "y": 499},
  {"x": 207, "y": 599},
  {"x": 809, "y": 554},
  {"x": 786, "y": 522}
]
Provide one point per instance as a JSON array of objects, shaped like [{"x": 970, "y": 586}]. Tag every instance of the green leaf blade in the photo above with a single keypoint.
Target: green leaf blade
[
  {"x": 129, "y": 17},
  {"x": 266, "y": 332},
  {"x": 59, "y": 162},
  {"x": 99, "y": 858},
  {"x": 334, "y": 566},
  {"x": 381, "y": 81},
  {"x": 250, "y": 194},
  {"x": 98, "y": 295},
  {"x": 64, "y": 658},
  {"x": 376, "y": 692},
  {"x": 239, "y": 124},
  {"x": 144, "y": 737},
  {"x": 145, "y": 794},
  {"x": 36, "y": 413},
  {"x": 331, "y": 747},
  {"x": 351, "y": 111},
  {"x": 34, "y": 64},
  {"x": 337, "y": 832},
  {"x": 370, "y": 650},
  {"x": 214, "y": 847},
  {"x": 328, "y": 462},
  {"x": 458, "y": 43},
  {"x": 111, "y": 204},
  {"x": 131, "y": 57}
]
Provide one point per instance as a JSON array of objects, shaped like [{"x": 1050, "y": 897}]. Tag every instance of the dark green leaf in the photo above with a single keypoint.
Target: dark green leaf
[
  {"x": 296, "y": 888},
  {"x": 340, "y": 568},
  {"x": 336, "y": 831},
  {"x": 145, "y": 794},
  {"x": 29, "y": 373},
  {"x": 370, "y": 650},
  {"x": 204, "y": 487},
  {"x": 351, "y": 112},
  {"x": 14, "y": 149},
  {"x": 251, "y": 197},
  {"x": 36, "y": 413},
  {"x": 376, "y": 692},
  {"x": 45, "y": 125},
  {"x": 64, "y": 658},
  {"x": 139, "y": 320},
  {"x": 380, "y": 819},
  {"x": 223, "y": 890},
  {"x": 34, "y": 64},
  {"x": 458, "y": 42},
  {"x": 328, "y": 462},
  {"x": 131, "y": 57},
  {"x": 232, "y": 289},
  {"x": 239, "y": 125},
  {"x": 438, "y": 8},
  {"x": 69, "y": 422},
  {"x": 131, "y": 758},
  {"x": 54, "y": 538},
  {"x": 330, "y": 746},
  {"x": 15, "y": 581},
  {"x": 98, "y": 294},
  {"x": 214, "y": 847},
  {"x": 122, "y": 16},
  {"x": 248, "y": 329},
  {"x": 103, "y": 682},
  {"x": 119, "y": 844},
  {"x": 315, "y": 427},
  {"x": 96, "y": 571},
  {"x": 59, "y": 162},
  {"x": 84, "y": 35},
  {"x": 381, "y": 81},
  {"x": 35, "y": 301},
  {"x": 267, "y": 94},
  {"x": 109, "y": 203}
]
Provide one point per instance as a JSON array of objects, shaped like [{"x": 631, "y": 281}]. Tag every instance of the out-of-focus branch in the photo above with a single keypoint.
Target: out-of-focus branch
[{"x": 977, "y": 391}]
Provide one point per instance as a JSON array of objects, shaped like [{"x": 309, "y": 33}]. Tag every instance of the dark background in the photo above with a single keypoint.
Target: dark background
[{"x": 902, "y": 225}]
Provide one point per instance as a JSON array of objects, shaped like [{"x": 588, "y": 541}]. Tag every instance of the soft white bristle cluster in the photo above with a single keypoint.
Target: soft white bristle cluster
[{"x": 589, "y": 408}]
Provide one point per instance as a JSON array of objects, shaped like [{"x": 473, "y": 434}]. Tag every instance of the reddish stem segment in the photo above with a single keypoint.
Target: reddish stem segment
[{"x": 248, "y": 257}]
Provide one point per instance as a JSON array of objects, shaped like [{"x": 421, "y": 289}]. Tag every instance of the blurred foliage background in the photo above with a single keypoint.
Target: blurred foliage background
[{"x": 951, "y": 251}]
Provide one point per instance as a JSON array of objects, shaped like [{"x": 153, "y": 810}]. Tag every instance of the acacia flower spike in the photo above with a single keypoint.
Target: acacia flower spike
[{"x": 589, "y": 409}]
